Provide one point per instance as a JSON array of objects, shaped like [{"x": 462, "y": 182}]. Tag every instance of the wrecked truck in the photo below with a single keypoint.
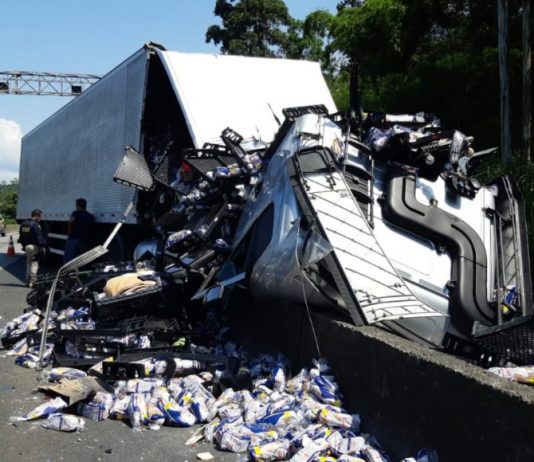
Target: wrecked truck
[
  {"x": 392, "y": 228},
  {"x": 156, "y": 102},
  {"x": 252, "y": 178}
]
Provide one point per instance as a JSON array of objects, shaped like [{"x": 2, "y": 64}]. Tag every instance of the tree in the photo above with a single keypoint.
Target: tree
[
  {"x": 310, "y": 39},
  {"x": 437, "y": 56},
  {"x": 348, "y": 4},
  {"x": 250, "y": 27},
  {"x": 370, "y": 33},
  {"x": 8, "y": 198}
]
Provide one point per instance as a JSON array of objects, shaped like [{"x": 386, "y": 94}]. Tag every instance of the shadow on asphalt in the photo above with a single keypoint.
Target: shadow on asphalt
[
  {"x": 12, "y": 285},
  {"x": 16, "y": 268}
]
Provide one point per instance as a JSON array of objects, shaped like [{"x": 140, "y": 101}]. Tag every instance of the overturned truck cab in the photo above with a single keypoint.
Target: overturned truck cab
[{"x": 391, "y": 228}]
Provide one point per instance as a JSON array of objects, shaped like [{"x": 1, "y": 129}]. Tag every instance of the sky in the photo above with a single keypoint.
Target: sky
[{"x": 92, "y": 37}]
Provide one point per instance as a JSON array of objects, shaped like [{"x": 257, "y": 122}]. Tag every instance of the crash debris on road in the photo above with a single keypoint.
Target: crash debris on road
[
  {"x": 245, "y": 405},
  {"x": 325, "y": 214}
]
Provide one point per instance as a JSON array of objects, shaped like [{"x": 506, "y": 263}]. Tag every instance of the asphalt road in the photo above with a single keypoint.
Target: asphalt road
[{"x": 104, "y": 441}]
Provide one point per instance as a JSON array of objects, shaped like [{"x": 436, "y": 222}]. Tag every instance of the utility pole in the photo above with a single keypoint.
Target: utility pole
[
  {"x": 527, "y": 81},
  {"x": 506, "y": 141}
]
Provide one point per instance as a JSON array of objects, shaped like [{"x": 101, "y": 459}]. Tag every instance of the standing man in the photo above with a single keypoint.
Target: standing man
[
  {"x": 33, "y": 243},
  {"x": 79, "y": 229}
]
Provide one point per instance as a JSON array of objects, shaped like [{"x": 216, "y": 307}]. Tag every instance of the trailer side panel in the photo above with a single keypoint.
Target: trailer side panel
[{"x": 75, "y": 152}]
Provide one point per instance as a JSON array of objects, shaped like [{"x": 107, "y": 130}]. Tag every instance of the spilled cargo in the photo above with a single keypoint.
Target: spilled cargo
[{"x": 375, "y": 217}]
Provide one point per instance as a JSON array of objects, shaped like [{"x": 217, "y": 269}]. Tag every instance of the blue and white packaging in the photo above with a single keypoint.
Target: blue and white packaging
[
  {"x": 64, "y": 422},
  {"x": 210, "y": 428},
  {"x": 371, "y": 454},
  {"x": 349, "y": 458},
  {"x": 234, "y": 440},
  {"x": 145, "y": 385},
  {"x": 199, "y": 406},
  {"x": 70, "y": 373},
  {"x": 119, "y": 408},
  {"x": 345, "y": 442},
  {"x": 281, "y": 419},
  {"x": 176, "y": 415},
  {"x": 137, "y": 410},
  {"x": 325, "y": 390},
  {"x": 19, "y": 348},
  {"x": 332, "y": 418},
  {"x": 271, "y": 451},
  {"x": 98, "y": 408},
  {"x": 279, "y": 378},
  {"x": 309, "y": 451},
  {"x": 43, "y": 410},
  {"x": 155, "y": 417},
  {"x": 230, "y": 411}
]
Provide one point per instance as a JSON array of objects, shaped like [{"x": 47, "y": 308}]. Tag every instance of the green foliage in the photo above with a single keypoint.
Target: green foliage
[
  {"x": 371, "y": 34},
  {"x": 250, "y": 27},
  {"x": 8, "y": 198},
  {"x": 265, "y": 28},
  {"x": 310, "y": 39},
  {"x": 435, "y": 56},
  {"x": 339, "y": 88}
]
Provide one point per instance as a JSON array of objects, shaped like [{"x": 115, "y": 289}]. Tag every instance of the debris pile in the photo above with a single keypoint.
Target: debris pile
[
  {"x": 261, "y": 410},
  {"x": 136, "y": 341},
  {"x": 123, "y": 348},
  {"x": 209, "y": 188}
]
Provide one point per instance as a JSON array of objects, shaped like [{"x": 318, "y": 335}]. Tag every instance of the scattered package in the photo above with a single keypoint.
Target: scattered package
[
  {"x": 64, "y": 422},
  {"x": 524, "y": 374},
  {"x": 275, "y": 417},
  {"x": 43, "y": 410}
]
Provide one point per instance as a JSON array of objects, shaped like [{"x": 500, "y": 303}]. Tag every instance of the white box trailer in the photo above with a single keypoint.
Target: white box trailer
[{"x": 154, "y": 93}]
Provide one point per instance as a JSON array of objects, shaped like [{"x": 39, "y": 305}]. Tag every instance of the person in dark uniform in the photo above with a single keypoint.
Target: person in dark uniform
[
  {"x": 33, "y": 243},
  {"x": 80, "y": 230}
]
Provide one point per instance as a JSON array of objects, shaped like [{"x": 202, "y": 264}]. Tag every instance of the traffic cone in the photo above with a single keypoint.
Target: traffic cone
[{"x": 11, "y": 248}]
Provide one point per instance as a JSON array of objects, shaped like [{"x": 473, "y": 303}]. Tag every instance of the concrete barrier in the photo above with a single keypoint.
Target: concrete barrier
[{"x": 407, "y": 395}]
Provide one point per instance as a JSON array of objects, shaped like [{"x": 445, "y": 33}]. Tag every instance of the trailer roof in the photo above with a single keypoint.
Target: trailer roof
[{"x": 243, "y": 93}]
